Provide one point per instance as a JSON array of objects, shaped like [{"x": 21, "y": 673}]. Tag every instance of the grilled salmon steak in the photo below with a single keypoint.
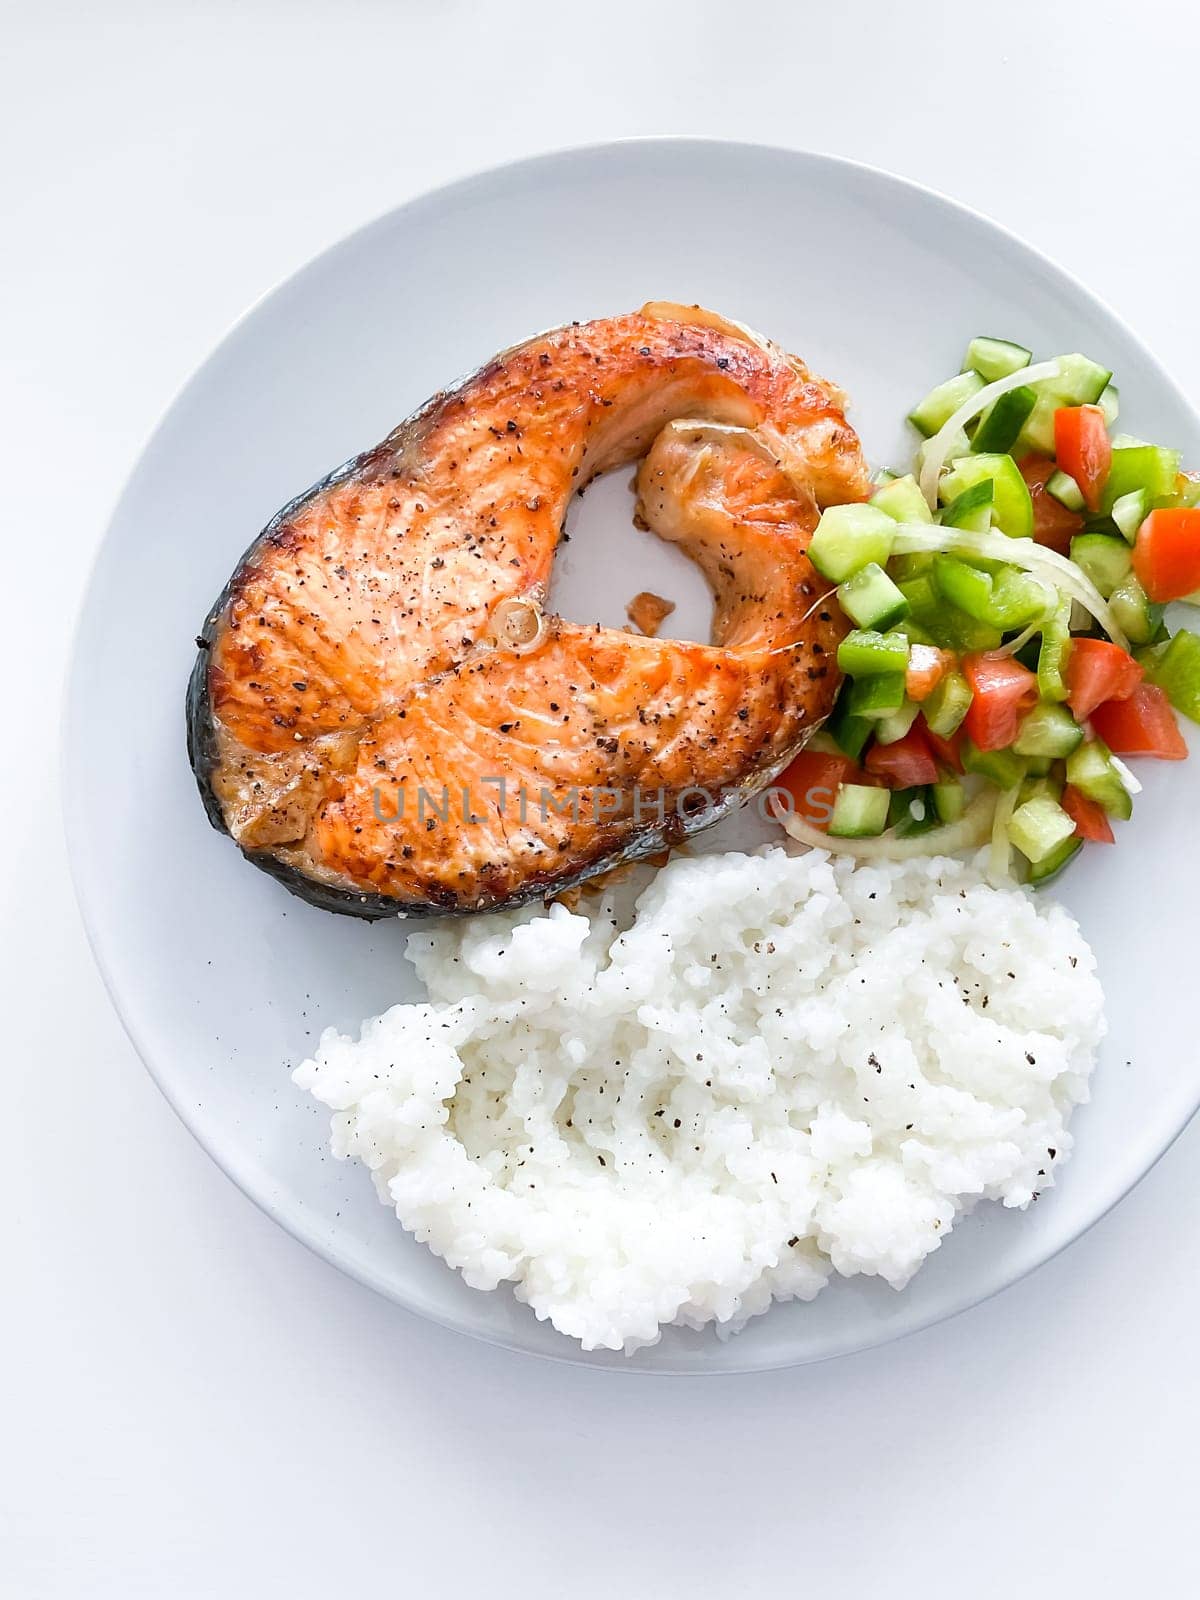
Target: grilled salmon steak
[{"x": 385, "y": 715}]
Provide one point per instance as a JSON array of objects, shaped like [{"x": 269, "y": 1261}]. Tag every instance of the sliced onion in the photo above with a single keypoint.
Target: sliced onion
[
  {"x": 1132, "y": 784},
  {"x": 939, "y": 446},
  {"x": 1021, "y": 640},
  {"x": 915, "y": 538},
  {"x": 999, "y": 867},
  {"x": 971, "y": 830}
]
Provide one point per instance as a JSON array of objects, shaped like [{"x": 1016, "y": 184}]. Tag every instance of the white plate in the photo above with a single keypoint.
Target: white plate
[{"x": 223, "y": 980}]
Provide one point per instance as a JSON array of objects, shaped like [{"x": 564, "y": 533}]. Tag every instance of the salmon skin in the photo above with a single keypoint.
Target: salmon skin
[{"x": 385, "y": 716}]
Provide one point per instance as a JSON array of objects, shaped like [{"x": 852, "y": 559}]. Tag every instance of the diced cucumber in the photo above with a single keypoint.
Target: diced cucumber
[
  {"x": 1041, "y": 872},
  {"x": 1110, "y": 403},
  {"x": 1048, "y": 730},
  {"x": 1090, "y": 770},
  {"x": 851, "y": 537},
  {"x": 871, "y": 599},
  {"x": 902, "y": 498},
  {"x": 1064, "y": 489},
  {"x": 1140, "y": 466},
  {"x": 1004, "y": 768},
  {"x": 866, "y": 653},
  {"x": 859, "y": 812},
  {"x": 1080, "y": 382},
  {"x": 1136, "y": 615},
  {"x": 1039, "y": 826},
  {"x": 1012, "y": 505},
  {"x": 1177, "y": 672},
  {"x": 1187, "y": 490},
  {"x": 890, "y": 728},
  {"x": 1129, "y": 511},
  {"x": 849, "y": 731},
  {"x": 1107, "y": 562},
  {"x": 972, "y": 509},
  {"x": 995, "y": 358},
  {"x": 940, "y": 404},
  {"x": 949, "y": 703},
  {"x": 949, "y": 799},
  {"x": 883, "y": 475},
  {"x": 875, "y": 697},
  {"x": 1000, "y": 425}
]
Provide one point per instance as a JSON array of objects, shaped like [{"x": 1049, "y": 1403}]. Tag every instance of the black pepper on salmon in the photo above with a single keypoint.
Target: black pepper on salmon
[{"x": 384, "y": 714}]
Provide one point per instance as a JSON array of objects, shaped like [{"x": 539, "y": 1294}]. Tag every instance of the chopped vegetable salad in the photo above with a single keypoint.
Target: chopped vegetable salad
[{"x": 1007, "y": 644}]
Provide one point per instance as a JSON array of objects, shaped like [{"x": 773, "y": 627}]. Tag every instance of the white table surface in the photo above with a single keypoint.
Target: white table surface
[{"x": 190, "y": 1404}]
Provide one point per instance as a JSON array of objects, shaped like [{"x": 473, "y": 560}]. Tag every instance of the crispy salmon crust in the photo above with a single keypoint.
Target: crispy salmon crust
[{"x": 382, "y": 712}]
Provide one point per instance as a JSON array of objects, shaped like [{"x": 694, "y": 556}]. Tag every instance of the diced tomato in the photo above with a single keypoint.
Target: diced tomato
[
  {"x": 1166, "y": 557},
  {"x": 1053, "y": 525},
  {"x": 1142, "y": 725},
  {"x": 1098, "y": 671},
  {"x": 904, "y": 763},
  {"x": 1003, "y": 692},
  {"x": 812, "y": 779},
  {"x": 948, "y": 751},
  {"x": 927, "y": 666},
  {"x": 1084, "y": 449},
  {"x": 1090, "y": 818}
]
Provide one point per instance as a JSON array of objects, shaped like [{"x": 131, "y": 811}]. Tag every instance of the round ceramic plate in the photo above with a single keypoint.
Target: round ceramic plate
[{"x": 224, "y": 981}]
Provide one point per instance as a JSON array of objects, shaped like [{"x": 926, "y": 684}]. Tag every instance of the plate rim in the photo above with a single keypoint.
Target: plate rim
[{"x": 70, "y": 788}]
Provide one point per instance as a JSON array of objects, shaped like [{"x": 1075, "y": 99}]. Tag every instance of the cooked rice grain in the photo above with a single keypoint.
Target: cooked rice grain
[{"x": 785, "y": 1066}]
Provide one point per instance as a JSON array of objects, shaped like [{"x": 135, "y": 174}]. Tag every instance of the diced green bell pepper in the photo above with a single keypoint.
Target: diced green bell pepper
[
  {"x": 1177, "y": 672},
  {"x": 866, "y": 653},
  {"x": 1140, "y": 466},
  {"x": 1052, "y": 657},
  {"x": 849, "y": 731},
  {"x": 875, "y": 697},
  {"x": 1004, "y": 768},
  {"x": 1010, "y": 599}
]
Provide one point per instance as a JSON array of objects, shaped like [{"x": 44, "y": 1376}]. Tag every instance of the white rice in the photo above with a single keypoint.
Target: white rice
[{"x": 786, "y": 1066}]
